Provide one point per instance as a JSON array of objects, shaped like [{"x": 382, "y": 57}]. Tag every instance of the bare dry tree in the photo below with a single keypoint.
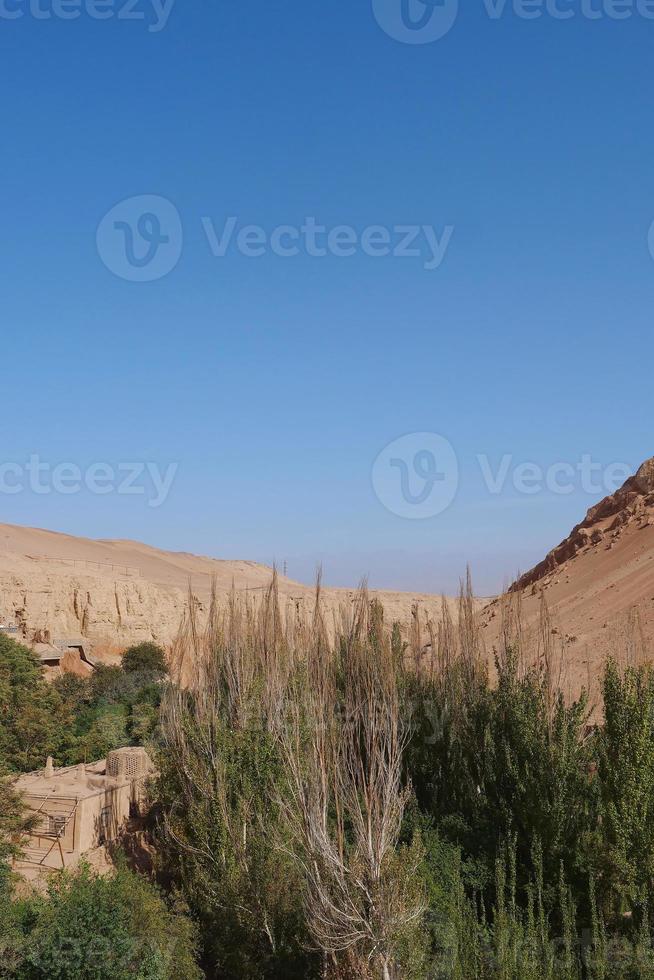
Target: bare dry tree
[
  {"x": 345, "y": 800},
  {"x": 331, "y": 707},
  {"x": 331, "y": 699}
]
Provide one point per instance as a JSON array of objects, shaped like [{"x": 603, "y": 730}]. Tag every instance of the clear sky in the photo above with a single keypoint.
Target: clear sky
[{"x": 274, "y": 382}]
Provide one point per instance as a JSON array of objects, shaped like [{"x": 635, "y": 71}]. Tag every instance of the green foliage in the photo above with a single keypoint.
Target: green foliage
[
  {"x": 624, "y": 855},
  {"x": 527, "y": 841},
  {"x": 535, "y": 836},
  {"x": 34, "y": 720},
  {"x": 570, "y": 892},
  {"x": 512, "y": 760},
  {"x": 145, "y": 658},
  {"x": 13, "y": 820},
  {"x": 98, "y": 928},
  {"x": 107, "y": 730},
  {"x": 74, "y": 719},
  {"x": 14, "y": 920},
  {"x": 441, "y": 881},
  {"x": 110, "y": 708},
  {"x": 224, "y": 845},
  {"x": 520, "y": 941}
]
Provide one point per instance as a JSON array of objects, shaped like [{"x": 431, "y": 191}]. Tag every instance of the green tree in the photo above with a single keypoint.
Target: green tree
[
  {"x": 509, "y": 759},
  {"x": 107, "y": 731},
  {"x": 625, "y": 853},
  {"x": 106, "y": 928},
  {"x": 223, "y": 845},
  {"x": 110, "y": 708},
  {"x": 13, "y": 820},
  {"x": 34, "y": 720},
  {"x": 145, "y": 658}
]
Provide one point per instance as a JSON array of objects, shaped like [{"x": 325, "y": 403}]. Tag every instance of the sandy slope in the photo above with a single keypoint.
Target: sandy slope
[
  {"x": 116, "y": 592},
  {"x": 598, "y": 583}
]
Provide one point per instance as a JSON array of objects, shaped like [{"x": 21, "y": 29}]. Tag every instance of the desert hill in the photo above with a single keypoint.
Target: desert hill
[
  {"x": 114, "y": 593},
  {"x": 598, "y": 583}
]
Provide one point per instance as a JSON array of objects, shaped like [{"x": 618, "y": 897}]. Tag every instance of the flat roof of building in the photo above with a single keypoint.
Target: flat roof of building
[{"x": 70, "y": 782}]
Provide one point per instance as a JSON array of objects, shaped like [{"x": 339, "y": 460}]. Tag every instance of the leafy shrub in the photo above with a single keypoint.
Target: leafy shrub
[
  {"x": 104, "y": 928},
  {"x": 623, "y": 854},
  {"x": 513, "y": 762},
  {"x": 145, "y": 658},
  {"x": 34, "y": 720}
]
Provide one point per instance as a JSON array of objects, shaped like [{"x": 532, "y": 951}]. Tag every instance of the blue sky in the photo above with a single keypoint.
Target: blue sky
[{"x": 273, "y": 383}]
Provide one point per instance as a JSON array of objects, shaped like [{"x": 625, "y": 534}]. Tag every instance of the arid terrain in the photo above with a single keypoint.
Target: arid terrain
[
  {"x": 114, "y": 593},
  {"x": 598, "y": 584}
]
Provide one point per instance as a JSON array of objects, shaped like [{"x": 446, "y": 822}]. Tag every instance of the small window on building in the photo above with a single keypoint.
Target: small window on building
[
  {"x": 56, "y": 825},
  {"x": 105, "y": 824}
]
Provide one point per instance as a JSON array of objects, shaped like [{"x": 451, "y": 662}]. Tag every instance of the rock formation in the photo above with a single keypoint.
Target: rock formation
[
  {"x": 114, "y": 593},
  {"x": 631, "y": 506},
  {"x": 598, "y": 586}
]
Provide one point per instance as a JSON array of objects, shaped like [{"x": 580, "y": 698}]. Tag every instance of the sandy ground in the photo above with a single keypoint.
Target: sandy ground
[{"x": 601, "y": 594}]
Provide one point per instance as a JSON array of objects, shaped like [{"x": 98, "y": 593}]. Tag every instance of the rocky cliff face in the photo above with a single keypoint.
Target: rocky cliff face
[
  {"x": 631, "y": 506},
  {"x": 47, "y": 603},
  {"x": 115, "y": 593},
  {"x": 598, "y": 586}
]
